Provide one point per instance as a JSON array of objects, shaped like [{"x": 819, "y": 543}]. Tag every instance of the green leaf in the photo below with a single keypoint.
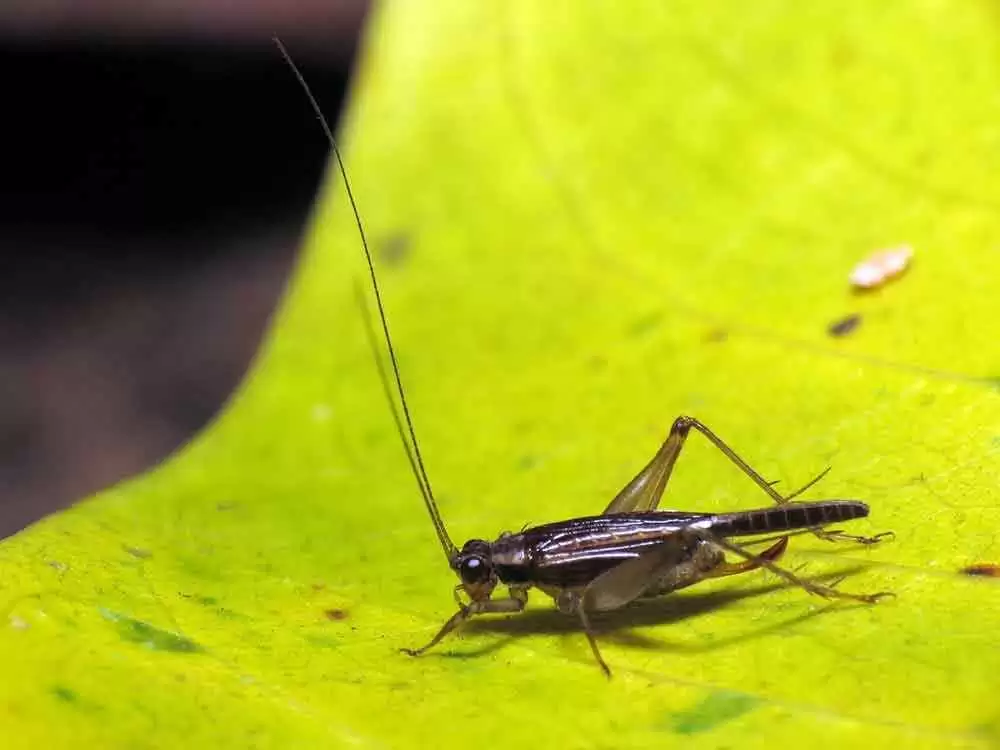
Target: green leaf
[{"x": 589, "y": 218}]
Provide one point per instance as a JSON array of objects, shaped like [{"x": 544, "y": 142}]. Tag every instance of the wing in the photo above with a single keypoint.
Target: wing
[
  {"x": 573, "y": 553},
  {"x": 627, "y": 581}
]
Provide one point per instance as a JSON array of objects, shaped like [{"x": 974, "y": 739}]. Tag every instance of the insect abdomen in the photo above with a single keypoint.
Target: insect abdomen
[{"x": 788, "y": 517}]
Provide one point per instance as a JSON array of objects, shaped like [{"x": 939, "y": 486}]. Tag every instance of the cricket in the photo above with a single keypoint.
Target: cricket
[{"x": 631, "y": 551}]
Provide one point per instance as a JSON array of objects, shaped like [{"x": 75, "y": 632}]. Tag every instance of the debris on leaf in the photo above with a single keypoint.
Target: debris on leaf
[
  {"x": 883, "y": 266},
  {"x": 989, "y": 570},
  {"x": 716, "y": 335},
  {"x": 844, "y": 326}
]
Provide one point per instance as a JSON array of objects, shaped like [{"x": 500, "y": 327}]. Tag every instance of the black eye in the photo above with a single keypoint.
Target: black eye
[{"x": 474, "y": 570}]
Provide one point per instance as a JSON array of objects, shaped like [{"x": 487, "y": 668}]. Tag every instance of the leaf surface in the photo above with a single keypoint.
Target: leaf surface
[{"x": 588, "y": 220}]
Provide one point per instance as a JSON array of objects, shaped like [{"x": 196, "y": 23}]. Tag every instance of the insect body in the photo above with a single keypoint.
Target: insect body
[
  {"x": 633, "y": 551},
  {"x": 630, "y": 551}
]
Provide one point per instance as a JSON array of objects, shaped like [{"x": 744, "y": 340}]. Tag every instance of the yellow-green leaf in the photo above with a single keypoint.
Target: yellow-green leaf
[{"x": 589, "y": 219}]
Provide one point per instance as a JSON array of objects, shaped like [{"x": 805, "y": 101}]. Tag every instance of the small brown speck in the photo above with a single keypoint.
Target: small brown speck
[
  {"x": 336, "y": 614},
  {"x": 844, "y": 326},
  {"x": 988, "y": 570},
  {"x": 394, "y": 249}
]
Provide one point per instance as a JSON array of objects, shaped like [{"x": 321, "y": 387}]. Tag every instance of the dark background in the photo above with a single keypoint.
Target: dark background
[{"x": 156, "y": 169}]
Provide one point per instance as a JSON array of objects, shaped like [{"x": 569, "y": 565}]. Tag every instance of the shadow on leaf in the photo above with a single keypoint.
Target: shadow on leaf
[{"x": 616, "y": 626}]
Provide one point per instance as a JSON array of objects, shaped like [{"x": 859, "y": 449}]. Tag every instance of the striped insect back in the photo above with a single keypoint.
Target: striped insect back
[{"x": 788, "y": 517}]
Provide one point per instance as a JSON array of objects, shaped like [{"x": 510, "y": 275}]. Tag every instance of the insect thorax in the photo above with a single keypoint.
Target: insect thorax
[{"x": 511, "y": 559}]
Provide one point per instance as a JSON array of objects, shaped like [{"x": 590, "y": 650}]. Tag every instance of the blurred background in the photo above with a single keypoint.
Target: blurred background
[{"x": 158, "y": 164}]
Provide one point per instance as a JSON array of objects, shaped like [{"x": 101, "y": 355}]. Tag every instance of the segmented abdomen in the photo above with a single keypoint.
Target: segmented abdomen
[{"x": 787, "y": 517}]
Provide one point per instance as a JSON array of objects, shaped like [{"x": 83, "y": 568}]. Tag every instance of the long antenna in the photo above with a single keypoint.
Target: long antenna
[{"x": 411, "y": 446}]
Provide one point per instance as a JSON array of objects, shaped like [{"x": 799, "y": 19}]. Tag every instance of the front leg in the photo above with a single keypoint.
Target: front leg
[{"x": 515, "y": 603}]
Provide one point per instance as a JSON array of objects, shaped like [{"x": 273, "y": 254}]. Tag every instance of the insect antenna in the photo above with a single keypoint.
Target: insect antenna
[{"x": 407, "y": 436}]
